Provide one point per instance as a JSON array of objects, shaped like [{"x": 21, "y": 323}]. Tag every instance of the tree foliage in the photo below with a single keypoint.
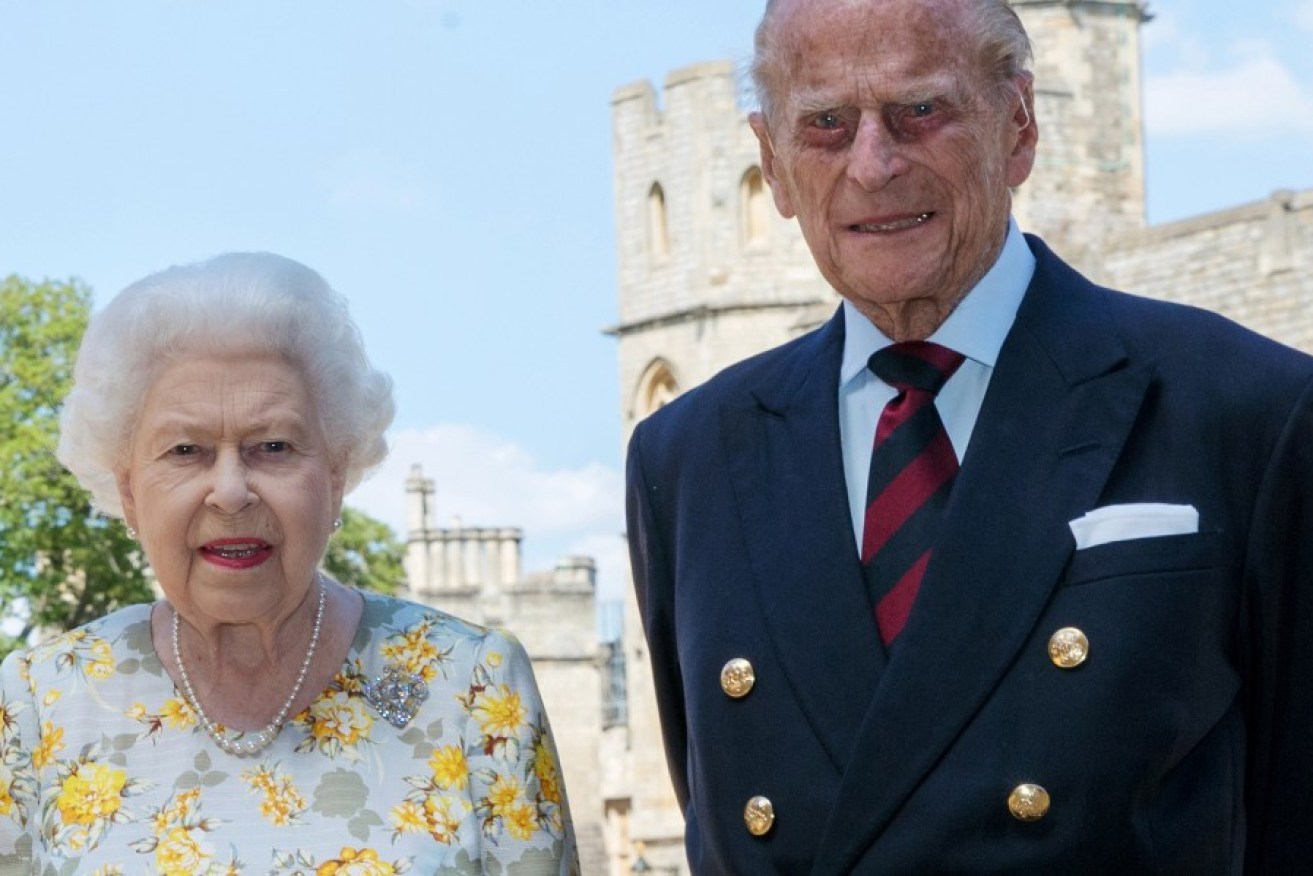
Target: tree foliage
[
  {"x": 61, "y": 563},
  {"x": 364, "y": 553}
]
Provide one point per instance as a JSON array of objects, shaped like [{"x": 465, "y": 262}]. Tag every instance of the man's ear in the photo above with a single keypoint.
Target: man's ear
[
  {"x": 779, "y": 191},
  {"x": 1021, "y": 160}
]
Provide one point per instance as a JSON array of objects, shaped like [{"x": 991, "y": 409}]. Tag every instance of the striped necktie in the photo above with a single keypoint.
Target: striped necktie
[{"x": 912, "y": 469}]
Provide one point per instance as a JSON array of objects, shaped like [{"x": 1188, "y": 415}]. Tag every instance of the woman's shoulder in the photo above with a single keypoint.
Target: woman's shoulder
[
  {"x": 391, "y": 616},
  {"x": 127, "y": 628}
]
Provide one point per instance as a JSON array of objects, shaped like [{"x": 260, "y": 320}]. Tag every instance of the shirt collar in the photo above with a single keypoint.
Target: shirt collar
[{"x": 976, "y": 327}]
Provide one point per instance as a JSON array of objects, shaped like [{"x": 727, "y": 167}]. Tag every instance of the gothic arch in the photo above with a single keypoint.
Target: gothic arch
[{"x": 656, "y": 387}]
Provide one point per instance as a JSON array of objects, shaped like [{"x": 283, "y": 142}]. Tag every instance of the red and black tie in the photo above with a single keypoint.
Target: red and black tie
[{"x": 912, "y": 469}]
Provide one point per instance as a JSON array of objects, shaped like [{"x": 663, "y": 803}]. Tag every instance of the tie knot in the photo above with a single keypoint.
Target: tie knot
[{"x": 912, "y": 365}]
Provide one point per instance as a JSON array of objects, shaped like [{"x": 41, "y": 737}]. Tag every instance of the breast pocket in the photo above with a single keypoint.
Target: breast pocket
[{"x": 1164, "y": 554}]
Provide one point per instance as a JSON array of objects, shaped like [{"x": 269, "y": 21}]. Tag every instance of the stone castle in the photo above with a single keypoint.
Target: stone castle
[{"x": 710, "y": 274}]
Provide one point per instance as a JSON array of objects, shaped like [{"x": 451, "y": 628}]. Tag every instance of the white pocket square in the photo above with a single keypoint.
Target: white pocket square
[{"x": 1139, "y": 520}]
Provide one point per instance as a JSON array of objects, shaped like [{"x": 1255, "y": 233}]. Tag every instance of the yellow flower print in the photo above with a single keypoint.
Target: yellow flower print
[
  {"x": 52, "y": 696},
  {"x": 340, "y": 719},
  {"x": 494, "y": 660},
  {"x": 64, "y": 640},
  {"x": 443, "y": 816},
  {"x": 101, "y": 651},
  {"x": 350, "y": 681},
  {"x": 282, "y": 802},
  {"x": 92, "y": 792},
  {"x": 8, "y": 718},
  {"x": 6, "y": 801},
  {"x": 186, "y": 805},
  {"x": 177, "y": 714},
  {"x": 260, "y": 779},
  {"x": 505, "y": 794},
  {"x": 408, "y": 817},
  {"x": 355, "y": 862},
  {"x": 500, "y": 712},
  {"x": 109, "y": 870},
  {"x": 449, "y": 768},
  {"x": 520, "y": 822},
  {"x": 179, "y": 834},
  {"x": 52, "y": 742},
  {"x": 180, "y": 853},
  {"x": 138, "y": 712},
  {"x": 544, "y": 767},
  {"x": 413, "y": 651},
  {"x": 100, "y": 670}
]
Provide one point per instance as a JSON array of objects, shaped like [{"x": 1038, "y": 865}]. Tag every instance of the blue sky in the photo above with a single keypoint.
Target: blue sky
[{"x": 446, "y": 164}]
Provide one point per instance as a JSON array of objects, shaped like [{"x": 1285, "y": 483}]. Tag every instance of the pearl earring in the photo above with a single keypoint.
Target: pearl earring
[
  {"x": 337, "y": 523},
  {"x": 132, "y": 533}
]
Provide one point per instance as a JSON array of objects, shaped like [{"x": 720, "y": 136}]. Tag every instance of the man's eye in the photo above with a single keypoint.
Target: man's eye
[
  {"x": 922, "y": 109},
  {"x": 828, "y": 121}
]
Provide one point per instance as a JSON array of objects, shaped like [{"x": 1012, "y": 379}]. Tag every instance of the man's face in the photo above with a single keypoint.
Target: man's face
[{"x": 895, "y": 152}]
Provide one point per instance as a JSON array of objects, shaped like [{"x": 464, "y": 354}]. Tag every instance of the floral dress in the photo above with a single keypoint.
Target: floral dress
[{"x": 105, "y": 770}]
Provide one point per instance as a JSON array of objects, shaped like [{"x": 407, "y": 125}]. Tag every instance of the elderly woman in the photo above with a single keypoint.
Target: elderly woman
[{"x": 262, "y": 718}]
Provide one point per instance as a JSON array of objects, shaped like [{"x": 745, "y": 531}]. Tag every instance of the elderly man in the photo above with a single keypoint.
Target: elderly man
[{"x": 997, "y": 571}]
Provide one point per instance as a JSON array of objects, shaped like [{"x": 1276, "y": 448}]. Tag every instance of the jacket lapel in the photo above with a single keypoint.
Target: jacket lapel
[
  {"x": 786, "y": 467},
  {"x": 1059, "y": 407}
]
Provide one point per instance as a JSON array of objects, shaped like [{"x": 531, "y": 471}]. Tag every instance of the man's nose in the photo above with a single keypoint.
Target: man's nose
[
  {"x": 875, "y": 157},
  {"x": 230, "y": 487}
]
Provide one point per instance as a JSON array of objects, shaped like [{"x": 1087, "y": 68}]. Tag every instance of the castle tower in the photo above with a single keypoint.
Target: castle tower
[
  {"x": 709, "y": 272},
  {"x": 1087, "y": 187}
]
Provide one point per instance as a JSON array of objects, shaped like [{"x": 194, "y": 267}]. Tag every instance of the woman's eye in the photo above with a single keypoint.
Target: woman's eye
[
  {"x": 185, "y": 450},
  {"x": 274, "y": 447}
]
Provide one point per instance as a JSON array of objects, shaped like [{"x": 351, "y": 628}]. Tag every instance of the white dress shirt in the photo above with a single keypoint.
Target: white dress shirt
[{"x": 976, "y": 329}]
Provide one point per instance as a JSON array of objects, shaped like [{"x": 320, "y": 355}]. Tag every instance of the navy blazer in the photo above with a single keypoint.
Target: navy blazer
[{"x": 1183, "y": 744}]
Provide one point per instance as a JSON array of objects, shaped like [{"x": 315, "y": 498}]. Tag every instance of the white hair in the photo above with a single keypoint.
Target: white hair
[
  {"x": 1001, "y": 45},
  {"x": 234, "y": 303}
]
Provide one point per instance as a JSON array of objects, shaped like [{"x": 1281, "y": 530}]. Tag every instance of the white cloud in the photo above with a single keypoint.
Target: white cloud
[
  {"x": 1302, "y": 14},
  {"x": 487, "y": 480},
  {"x": 1254, "y": 98}
]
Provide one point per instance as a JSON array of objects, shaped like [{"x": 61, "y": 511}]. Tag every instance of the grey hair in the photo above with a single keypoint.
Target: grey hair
[
  {"x": 238, "y": 302},
  {"x": 1002, "y": 45}
]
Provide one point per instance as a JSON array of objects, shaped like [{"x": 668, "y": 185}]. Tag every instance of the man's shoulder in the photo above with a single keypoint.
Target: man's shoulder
[
  {"x": 1172, "y": 331},
  {"x": 1162, "y": 331}
]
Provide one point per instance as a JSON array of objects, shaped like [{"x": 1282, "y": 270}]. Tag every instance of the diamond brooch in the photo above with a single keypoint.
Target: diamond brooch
[{"x": 396, "y": 695}]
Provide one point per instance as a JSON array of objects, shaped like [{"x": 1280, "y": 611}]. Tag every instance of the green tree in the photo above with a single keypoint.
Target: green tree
[
  {"x": 61, "y": 563},
  {"x": 365, "y": 553}
]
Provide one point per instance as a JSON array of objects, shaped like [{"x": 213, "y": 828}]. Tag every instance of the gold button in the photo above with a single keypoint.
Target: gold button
[
  {"x": 759, "y": 816},
  {"x": 1028, "y": 802},
  {"x": 737, "y": 678},
  {"x": 1068, "y": 648}
]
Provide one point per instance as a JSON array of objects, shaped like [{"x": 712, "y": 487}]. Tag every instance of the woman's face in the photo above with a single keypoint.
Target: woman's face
[{"x": 229, "y": 485}]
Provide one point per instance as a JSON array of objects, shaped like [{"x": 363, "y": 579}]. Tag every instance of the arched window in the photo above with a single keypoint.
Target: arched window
[
  {"x": 656, "y": 388},
  {"x": 754, "y": 206},
  {"x": 658, "y": 232}
]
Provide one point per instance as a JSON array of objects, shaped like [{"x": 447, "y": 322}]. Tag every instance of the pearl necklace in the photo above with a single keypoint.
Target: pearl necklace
[{"x": 247, "y": 744}]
